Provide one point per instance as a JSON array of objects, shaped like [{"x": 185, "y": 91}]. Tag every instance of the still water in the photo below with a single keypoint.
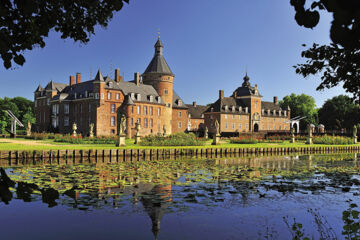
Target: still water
[{"x": 240, "y": 198}]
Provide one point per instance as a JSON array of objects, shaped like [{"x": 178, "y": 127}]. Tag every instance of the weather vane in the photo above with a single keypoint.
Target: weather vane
[{"x": 158, "y": 33}]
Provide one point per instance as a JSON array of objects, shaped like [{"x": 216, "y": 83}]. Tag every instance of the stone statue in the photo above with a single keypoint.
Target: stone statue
[
  {"x": 74, "y": 128},
  {"x": 137, "y": 134},
  {"x": 292, "y": 135},
  {"x": 217, "y": 126},
  {"x": 122, "y": 124},
  {"x": 206, "y": 133},
  {"x": 28, "y": 129},
  {"x": 216, "y": 138},
  {"x": 91, "y": 131},
  {"x": 355, "y": 134},
  {"x": 309, "y": 128},
  {"x": 122, "y": 127},
  {"x": 164, "y": 130}
]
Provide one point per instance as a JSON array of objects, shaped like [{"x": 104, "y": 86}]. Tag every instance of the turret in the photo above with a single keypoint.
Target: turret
[{"x": 159, "y": 75}]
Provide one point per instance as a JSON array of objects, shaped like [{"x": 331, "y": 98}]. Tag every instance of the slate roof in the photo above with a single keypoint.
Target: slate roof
[
  {"x": 246, "y": 89},
  {"x": 53, "y": 86},
  {"x": 196, "y": 112},
  {"x": 158, "y": 63},
  {"x": 219, "y": 105},
  {"x": 178, "y": 102},
  {"x": 270, "y": 105},
  {"x": 39, "y": 88}
]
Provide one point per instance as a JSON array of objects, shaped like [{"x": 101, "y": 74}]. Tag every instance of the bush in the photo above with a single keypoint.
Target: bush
[
  {"x": 177, "y": 139},
  {"x": 85, "y": 140},
  {"x": 245, "y": 140},
  {"x": 41, "y": 136},
  {"x": 332, "y": 140}
]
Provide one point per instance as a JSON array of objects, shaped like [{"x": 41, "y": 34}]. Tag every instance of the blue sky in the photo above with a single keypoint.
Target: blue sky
[{"x": 208, "y": 45}]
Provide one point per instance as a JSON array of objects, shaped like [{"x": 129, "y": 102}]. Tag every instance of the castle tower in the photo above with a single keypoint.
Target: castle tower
[{"x": 159, "y": 75}]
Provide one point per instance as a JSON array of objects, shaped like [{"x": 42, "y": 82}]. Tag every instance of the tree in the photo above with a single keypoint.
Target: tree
[
  {"x": 339, "y": 112},
  {"x": 338, "y": 62},
  {"x": 301, "y": 105},
  {"x": 25, "y": 23}
]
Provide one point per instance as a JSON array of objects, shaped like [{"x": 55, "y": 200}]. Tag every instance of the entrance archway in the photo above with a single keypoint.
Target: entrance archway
[
  {"x": 256, "y": 127},
  {"x": 295, "y": 127}
]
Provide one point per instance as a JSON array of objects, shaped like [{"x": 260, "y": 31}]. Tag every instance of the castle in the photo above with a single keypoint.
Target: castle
[{"x": 150, "y": 100}]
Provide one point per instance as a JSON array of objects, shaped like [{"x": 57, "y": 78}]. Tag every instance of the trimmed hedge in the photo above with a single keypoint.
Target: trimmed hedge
[
  {"x": 332, "y": 140},
  {"x": 177, "y": 139},
  {"x": 86, "y": 140}
]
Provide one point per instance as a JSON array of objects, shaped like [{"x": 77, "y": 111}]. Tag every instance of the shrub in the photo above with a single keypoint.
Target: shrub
[
  {"x": 245, "y": 140},
  {"x": 85, "y": 140},
  {"x": 41, "y": 136},
  {"x": 177, "y": 139},
  {"x": 332, "y": 140}
]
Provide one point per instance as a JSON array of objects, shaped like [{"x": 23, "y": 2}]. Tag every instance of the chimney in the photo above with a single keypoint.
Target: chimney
[
  {"x": 72, "y": 80},
  {"x": 137, "y": 78},
  {"x": 194, "y": 104},
  {"x": 275, "y": 100},
  {"x": 221, "y": 94},
  {"x": 78, "y": 78},
  {"x": 118, "y": 78}
]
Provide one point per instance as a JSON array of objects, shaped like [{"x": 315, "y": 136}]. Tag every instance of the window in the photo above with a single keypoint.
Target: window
[
  {"x": 233, "y": 126},
  {"x": 112, "y": 122},
  {"x": 145, "y": 122},
  {"x": 80, "y": 108},
  {"x": 132, "y": 122},
  {"x": 54, "y": 109},
  {"x": 279, "y": 127},
  {"x": 255, "y": 104},
  {"x": 54, "y": 122},
  {"x": 233, "y": 116},
  {"x": 179, "y": 102},
  {"x": 132, "y": 109},
  {"x": 151, "y": 110},
  {"x": 35, "y": 103},
  {"x": 139, "y": 120},
  {"x": 145, "y": 110},
  {"x": 179, "y": 125},
  {"x": 151, "y": 98},
  {"x": 138, "y": 110},
  {"x": 239, "y": 117},
  {"x": 109, "y": 95},
  {"x": 102, "y": 96},
  {"x": 75, "y": 95},
  {"x": 179, "y": 114},
  {"x": 117, "y": 96},
  {"x": 112, "y": 108},
  {"x": 247, "y": 126},
  {"x": 226, "y": 125},
  {"x": 159, "y": 111},
  {"x": 48, "y": 101},
  {"x": 166, "y": 92},
  {"x": 66, "y": 121},
  {"x": 138, "y": 97},
  {"x": 89, "y": 107},
  {"x": 96, "y": 95},
  {"x": 240, "y": 127},
  {"x": 151, "y": 123},
  {"x": 86, "y": 94},
  {"x": 225, "y": 116}
]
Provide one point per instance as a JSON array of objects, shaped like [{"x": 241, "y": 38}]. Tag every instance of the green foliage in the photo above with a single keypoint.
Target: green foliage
[
  {"x": 351, "y": 221},
  {"x": 41, "y": 136},
  {"x": 85, "y": 140},
  {"x": 338, "y": 62},
  {"x": 332, "y": 140},
  {"x": 22, "y": 108},
  {"x": 245, "y": 140},
  {"x": 339, "y": 112},
  {"x": 301, "y": 105},
  {"x": 177, "y": 139},
  {"x": 4, "y": 120},
  {"x": 34, "y": 20}
]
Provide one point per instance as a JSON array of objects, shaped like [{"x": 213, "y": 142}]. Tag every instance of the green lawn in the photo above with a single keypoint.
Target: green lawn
[{"x": 27, "y": 144}]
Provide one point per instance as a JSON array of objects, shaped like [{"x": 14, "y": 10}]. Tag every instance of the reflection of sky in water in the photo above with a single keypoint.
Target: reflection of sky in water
[{"x": 216, "y": 209}]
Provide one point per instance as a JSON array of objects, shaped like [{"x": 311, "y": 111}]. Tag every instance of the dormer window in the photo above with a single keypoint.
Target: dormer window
[
  {"x": 179, "y": 102},
  {"x": 138, "y": 97},
  {"x": 240, "y": 109},
  {"x": 202, "y": 115},
  {"x": 151, "y": 98},
  {"x": 132, "y": 96},
  {"x": 158, "y": 99},
  {"x": 212, "y": 109},
  {"x": 75, "y": 95},
  {"x": 86, "y": 94},
  {"x": 233, "y": 108},
  {"x": 226, "y": 107},
  {"x": 110, "y": 84}
]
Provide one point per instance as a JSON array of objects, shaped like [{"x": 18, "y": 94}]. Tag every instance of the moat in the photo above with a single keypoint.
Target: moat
[{"x": 243, "y": 197}]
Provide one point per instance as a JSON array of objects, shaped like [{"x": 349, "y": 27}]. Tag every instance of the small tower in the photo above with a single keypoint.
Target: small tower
[{"x": 159, "y": 75}]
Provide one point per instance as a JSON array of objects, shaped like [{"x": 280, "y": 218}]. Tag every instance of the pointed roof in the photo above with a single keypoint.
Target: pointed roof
[
  {"x": 158, "y": 63},
  {"x": 39, "y": 88},
  {"x": 128, "y": 100},
  {"x": 53, "y": 86},
  {"x": 99, "y": 77}
]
